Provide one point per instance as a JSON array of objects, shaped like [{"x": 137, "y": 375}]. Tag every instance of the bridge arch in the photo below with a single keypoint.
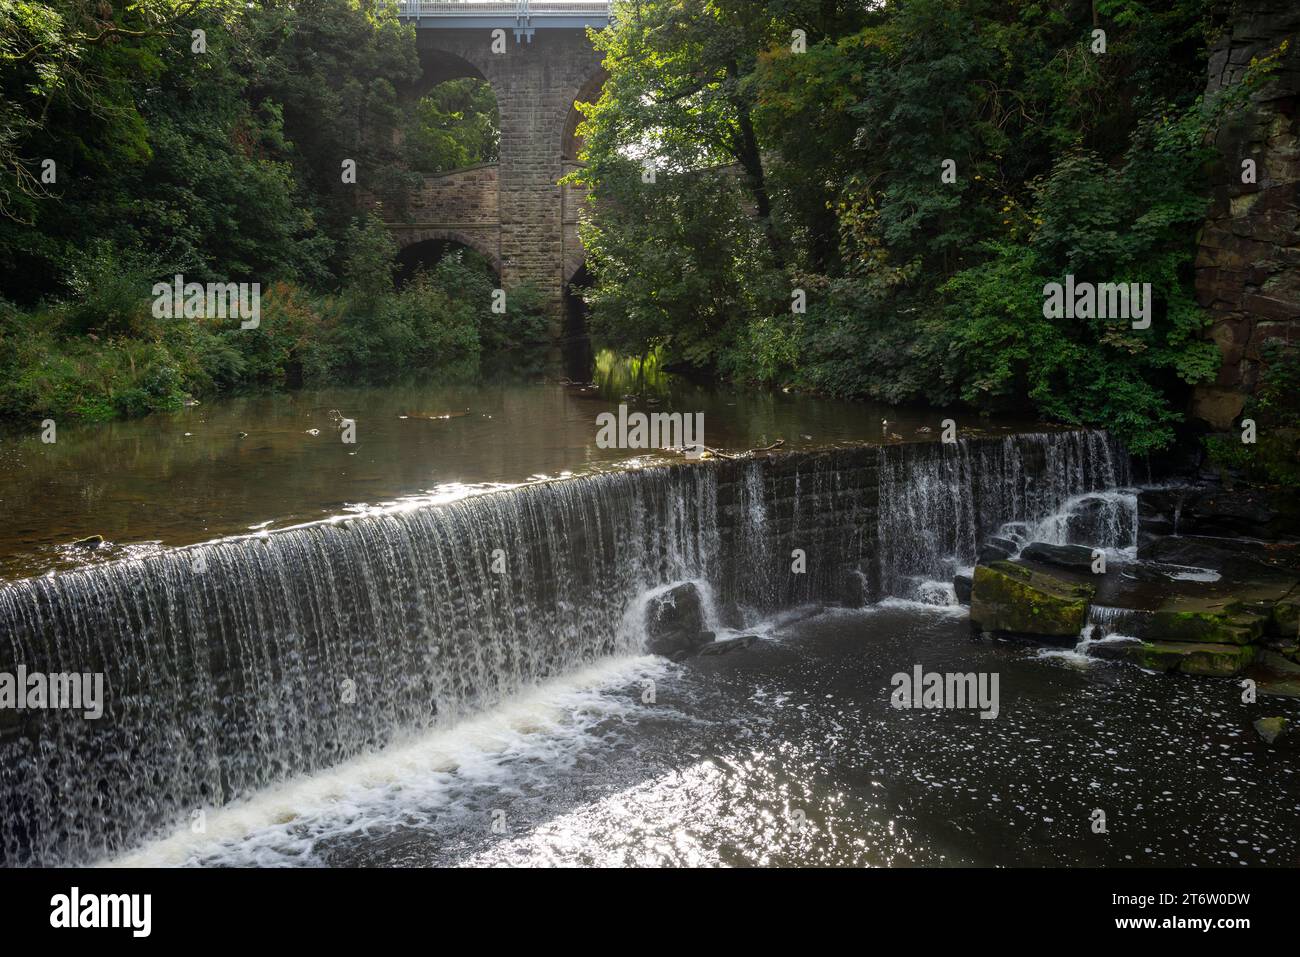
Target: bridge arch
[
  {"x": 482, "y": 241},
  {"x": 589, "y": 92},
  {"x": 440, "y": 65}
]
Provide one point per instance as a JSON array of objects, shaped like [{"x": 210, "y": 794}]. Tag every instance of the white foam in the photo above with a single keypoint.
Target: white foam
[
  {"x": 1078, "y": 655},
  {"x": 408, "y": 781},
  {"x": 911, "y": 604}
]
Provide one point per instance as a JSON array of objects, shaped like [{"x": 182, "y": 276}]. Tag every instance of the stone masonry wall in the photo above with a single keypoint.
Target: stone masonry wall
[
  {"x": 536, "y": 84},
  {"x": 1248, "y": 263}
]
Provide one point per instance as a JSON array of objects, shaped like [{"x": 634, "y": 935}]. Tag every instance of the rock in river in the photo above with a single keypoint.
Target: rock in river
[
  {"x": 1075, "y": 557},
  {"x": 1013, "y": 599},
  {"x": 675, "y": 622},
  {"x": 1270, "y": 729}
]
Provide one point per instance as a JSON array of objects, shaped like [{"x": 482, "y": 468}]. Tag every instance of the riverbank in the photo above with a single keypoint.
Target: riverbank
[{"x": 108, "y": 356}]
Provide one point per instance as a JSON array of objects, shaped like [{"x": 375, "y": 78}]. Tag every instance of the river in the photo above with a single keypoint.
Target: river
[{"x": 312, "y": 657}]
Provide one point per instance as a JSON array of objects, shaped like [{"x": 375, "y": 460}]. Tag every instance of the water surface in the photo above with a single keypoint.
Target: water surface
[
  {"x": 789, "y": 754},
  {"x": 243, "y": 464}
]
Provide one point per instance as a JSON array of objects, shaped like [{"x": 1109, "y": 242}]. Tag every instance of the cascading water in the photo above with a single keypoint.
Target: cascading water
[
  {"x": 940, "y": 502},
  {"x": 1106, "y": 520},
  {"x": 1107, "y": 622},
  {"x": 291, "y": 652},
  {"x": 231, "y": 666}
]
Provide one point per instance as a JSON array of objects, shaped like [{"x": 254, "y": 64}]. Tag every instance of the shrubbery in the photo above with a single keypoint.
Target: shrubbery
[{"x": 105, "y": 355}]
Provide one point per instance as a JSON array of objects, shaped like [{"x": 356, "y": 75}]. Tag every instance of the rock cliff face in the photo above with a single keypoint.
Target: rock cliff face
[{"x": 1248, "y": 263}]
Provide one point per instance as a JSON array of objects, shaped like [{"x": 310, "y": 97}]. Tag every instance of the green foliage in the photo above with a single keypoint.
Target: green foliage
[
  {"x": 225, "y": 166},
  {"x": 1099, "y": 224},
  {"x": 369, "y": 266},
  {"x": 1066, "y": 162},
  {"x": 679, "y": 264},
  {"x": 53, "y": 363},
  {"x": 456, "y": 124}
]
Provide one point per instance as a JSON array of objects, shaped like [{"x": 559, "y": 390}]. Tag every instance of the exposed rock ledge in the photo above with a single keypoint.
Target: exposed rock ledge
[{"x": 1195, "y": 604}]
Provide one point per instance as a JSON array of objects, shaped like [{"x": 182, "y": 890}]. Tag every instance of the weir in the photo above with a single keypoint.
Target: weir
[{"x": 234, "y": 665}]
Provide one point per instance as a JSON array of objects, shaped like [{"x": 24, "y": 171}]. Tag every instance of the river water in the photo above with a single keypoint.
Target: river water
[
  {"x": 274, "y": 460},
  {"x": 371, "y": 691},
  {"x": 790, "y": 754}
]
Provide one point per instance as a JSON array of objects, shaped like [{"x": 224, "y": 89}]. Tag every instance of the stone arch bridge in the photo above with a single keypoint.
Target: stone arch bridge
[{"x": 539, "y": 65}]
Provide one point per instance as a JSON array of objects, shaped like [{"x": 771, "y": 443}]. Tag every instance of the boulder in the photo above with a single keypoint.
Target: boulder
[
  {"x": 1192, "y": 658},
  {"x": 854, "y": 590},
  {"x": 1096, "y": 519},
  {"x": 995, "y": 549},
  {"x": 1158, "y": 512},
  {"x": 961, "y": 587},
  {"x": 1219, "y": 512},
  {"x": 1270, "y": 729},
  {"x": 1288, "y": 687},
  {"x": 1277, "y": 663},
  {"x": 1114, "y": 650},
  {"x": 726, "y": 645},
  {"x": 1284, "y": 619},
  {"x": 1012, "y": 599},
  {"x": 1183, "y": 621},
  {"x": 1074, "y": 557},
  {"x": 675, "y": 621}
]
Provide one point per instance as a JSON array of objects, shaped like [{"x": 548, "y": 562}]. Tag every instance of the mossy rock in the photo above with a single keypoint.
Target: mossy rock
[
  {"x": 1227, "y": 626},
  {"x": 1285, "y": 619},
  {"x": 1288, "y": 687},
  {"x": 1276, "y": 663},
  {"x": 1013, "y": 599},
  {"x": 1270, "y": 729},
  {"x": 1193, "y": 657}
]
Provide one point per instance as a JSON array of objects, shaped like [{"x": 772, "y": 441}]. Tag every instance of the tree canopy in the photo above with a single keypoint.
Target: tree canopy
[{"x": 802, "y": 145}]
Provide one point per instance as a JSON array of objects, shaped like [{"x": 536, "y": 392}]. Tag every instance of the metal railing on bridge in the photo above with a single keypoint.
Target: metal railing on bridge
[{"x": 512, "y": 10}]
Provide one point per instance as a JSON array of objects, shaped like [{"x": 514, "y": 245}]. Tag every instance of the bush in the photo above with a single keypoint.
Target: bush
[{"x": 112, "y": 293}]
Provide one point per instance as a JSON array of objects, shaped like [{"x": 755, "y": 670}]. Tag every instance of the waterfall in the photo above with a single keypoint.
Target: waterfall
[
  {"x": 234, "y": 665},
  {"x": 938, "y": 503}
]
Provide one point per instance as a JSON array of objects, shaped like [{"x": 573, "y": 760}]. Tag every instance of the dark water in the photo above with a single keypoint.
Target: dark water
[
  {"x": 790, "y": 754},
  {"x": 176, "y": 479}
]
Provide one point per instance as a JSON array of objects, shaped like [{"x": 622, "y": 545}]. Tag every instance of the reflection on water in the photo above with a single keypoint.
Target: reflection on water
[
  {"x": 230, "y": 466},
  {"x": 618, "y": 377}
]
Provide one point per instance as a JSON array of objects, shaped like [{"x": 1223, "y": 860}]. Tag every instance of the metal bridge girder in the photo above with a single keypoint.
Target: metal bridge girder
[{"x": 521, "y": 16}]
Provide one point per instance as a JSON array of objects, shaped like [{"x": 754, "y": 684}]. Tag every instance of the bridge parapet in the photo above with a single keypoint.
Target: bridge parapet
[{"x": 521, "y": 16}]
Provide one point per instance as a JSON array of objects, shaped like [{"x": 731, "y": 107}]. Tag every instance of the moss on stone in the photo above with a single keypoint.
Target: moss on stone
[
  {"x": 1227, "y": 626},
  {"x": 1011, "y": 598},
  {"x": 1193, "y": 657},
  {"x": 1285, "y": 619},
  {"x": 1270, "y": 729}
]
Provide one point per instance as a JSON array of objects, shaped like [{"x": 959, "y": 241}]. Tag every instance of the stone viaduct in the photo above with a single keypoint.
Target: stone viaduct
[{"x": 536, "y": 56}]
